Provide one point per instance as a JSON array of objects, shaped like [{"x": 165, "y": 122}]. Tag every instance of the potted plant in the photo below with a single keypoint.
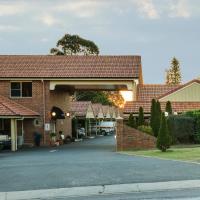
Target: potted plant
[{"x": 53, "y": 137}]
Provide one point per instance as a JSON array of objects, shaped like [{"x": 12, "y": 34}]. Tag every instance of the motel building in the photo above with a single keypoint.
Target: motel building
[
  {"x": 36, "y": 91},
  {"x": 36, "y": 96}
]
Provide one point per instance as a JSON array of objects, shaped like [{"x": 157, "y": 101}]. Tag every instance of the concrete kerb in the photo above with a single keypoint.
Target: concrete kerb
[{"x": 100, "y": 190}]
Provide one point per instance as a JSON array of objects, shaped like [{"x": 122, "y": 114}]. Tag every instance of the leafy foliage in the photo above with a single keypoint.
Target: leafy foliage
[
  {"x": 94, "y": 97},
  {"x": 141, "y": 117},
  {"x": 73, "y": 45},
  {"x": 131, "y": 121},
  {"x": 173, "y": 75},
  {"x": 168, "y": 107},
  {"x": 163, "y": 140},
  {"x": 181, "y": 128},
  {"x": 153, "y": 113},
  {"x": 196, "y": 116},
  {"x": 155, "y": 117},
  {"x": 145, "y": 129}
]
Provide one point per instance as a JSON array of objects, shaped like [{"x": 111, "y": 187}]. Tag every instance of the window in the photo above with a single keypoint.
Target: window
[{"x": 21, "y": 89}]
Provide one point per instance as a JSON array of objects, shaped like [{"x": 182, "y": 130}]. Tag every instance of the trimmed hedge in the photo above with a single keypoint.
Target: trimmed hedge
[
  {"x": 182, "y": 128},
  {"x": 196, "y": 116}
]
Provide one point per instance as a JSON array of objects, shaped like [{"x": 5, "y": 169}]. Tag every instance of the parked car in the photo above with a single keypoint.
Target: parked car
[
  {"x": 81, "y": 132},
  {"x": 5, "y": 141}
]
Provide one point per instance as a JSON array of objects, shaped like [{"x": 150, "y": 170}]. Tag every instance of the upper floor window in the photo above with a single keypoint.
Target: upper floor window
[{"x": 21, "y": 89}]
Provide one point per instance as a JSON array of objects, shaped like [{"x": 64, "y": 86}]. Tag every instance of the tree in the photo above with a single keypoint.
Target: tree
[
  {"x": 168, "y": 108},
  {"x": 173, "y": 75},
  {"x": 157, "y": 119},
  {"x": 116, "y": 98},
  {"x": 141, "y": 117},
  {"x": 153, "y": 113},
  {"x": 94, "y": 97},
  {"x": 163, "y": 140},
  {"x": 131, "y": 121},
  {"x": 73, "y": 45},
  {"x": 155, "y": 116}
]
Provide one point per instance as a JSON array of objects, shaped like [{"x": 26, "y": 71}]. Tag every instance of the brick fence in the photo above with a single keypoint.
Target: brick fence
[{"x": 129, "y": 138}]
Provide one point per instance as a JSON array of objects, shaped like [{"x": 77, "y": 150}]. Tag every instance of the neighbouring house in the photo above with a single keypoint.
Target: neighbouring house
[
  {"x": 44, "y": 85},
  {"x": 182, "y": 97}
]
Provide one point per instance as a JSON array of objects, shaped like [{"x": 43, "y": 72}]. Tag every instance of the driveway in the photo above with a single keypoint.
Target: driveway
[{"x": 91, "y": 162}]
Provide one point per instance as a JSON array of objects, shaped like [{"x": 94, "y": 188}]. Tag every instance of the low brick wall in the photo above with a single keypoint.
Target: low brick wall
[{"x": 129, "y": 138}]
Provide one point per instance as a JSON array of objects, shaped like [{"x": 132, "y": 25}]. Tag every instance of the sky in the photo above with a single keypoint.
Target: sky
[{"x": 157, "y": 30}]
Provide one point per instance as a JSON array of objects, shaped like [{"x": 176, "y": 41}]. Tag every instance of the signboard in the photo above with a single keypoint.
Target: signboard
[{"x": 47, "y": 126}]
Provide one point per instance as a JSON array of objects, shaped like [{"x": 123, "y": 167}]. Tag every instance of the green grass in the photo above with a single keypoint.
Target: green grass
[{"x": 176, "y": 153}]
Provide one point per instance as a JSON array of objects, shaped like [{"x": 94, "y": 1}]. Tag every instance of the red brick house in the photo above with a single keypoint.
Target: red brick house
[
  {"x": 43, "y": 85},
  {"x": 182, "y": 97}
]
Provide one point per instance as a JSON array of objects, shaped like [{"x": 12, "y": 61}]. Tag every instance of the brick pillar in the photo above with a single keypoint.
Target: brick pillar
[{"x": 119, "y": 133}]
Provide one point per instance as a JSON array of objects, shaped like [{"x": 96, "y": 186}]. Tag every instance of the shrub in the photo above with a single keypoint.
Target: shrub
[
  {"x": 168, "y": 107},
  {"x": 140, "y": 117},
  {"x": 145, "y": 129},
  {"x": 131, "y": 121},
  {"x": 163, "y": 140},
  {"x": 181, "y": 128},
  {"x": 157, "y": 118},
  {"x": 196, "y": 116},
  {"x": 153, "y": 113}
]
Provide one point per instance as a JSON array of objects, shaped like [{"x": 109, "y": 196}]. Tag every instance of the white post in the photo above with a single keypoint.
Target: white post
[{"x": 13, "y": 134}]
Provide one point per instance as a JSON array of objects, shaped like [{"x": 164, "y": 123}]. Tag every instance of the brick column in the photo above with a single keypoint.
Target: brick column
[{"x": 119, "y": 134}]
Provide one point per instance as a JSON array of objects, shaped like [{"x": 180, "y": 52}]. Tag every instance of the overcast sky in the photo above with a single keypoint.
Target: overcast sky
[{"x": 155, "y": 29}]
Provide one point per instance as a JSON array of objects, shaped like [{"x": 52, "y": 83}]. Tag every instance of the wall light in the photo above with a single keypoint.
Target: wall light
[
  {"x": 67, "y": 114},
  {"x": 53, "y": 114}
]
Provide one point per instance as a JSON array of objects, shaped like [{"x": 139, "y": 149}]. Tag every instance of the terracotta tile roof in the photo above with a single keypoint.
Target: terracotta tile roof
[
  {"x": 147, "y": 92},
  {"x": 48, "y": 66},
  {"x": 79, "y": 108},
  {"x": 133, "y": 106},
  {"x": 96, "y": 108},
  {"x": 178, "y": 88},
  {"x": 106, "y": 109},
  {"x": 10, "y": 108}
]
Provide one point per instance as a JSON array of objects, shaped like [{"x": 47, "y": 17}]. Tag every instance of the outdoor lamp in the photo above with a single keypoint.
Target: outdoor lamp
[
  {"x": 67, "y": 114},
  {"x": 53, "y": 114},
  {"x": 166, "y": 114}
]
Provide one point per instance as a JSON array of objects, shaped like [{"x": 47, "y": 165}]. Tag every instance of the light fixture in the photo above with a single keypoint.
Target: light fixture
[
  {"x": 67, "y": 114},
  {"x": 166, "y": 114},
  {"x": 53, "y": 114}
]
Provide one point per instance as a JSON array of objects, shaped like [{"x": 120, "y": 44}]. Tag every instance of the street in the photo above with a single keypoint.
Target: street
[{"x": 88, "y": 163}]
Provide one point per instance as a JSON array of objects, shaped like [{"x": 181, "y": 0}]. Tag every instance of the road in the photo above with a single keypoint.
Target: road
[{"x": 88, "y": 163}]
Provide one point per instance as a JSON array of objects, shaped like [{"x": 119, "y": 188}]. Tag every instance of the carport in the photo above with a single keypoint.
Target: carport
[
  {"x": 12, "y": 116},
  {"x": 82, "y": 112}
]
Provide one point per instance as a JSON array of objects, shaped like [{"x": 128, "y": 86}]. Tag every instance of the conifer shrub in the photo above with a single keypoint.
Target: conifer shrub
[{"x": 163, "y": 140}]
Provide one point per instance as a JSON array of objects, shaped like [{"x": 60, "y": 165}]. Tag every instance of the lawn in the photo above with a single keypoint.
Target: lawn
[{"x": 175, "y": 153}]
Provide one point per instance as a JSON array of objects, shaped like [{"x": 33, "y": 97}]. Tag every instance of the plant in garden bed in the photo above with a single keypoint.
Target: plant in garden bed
[
  {"x": 163, "y": 140},
  {"x": 145, "y": 129},
  {"x": 131, "y": 121},
  {"x": 53, "y": 137}
]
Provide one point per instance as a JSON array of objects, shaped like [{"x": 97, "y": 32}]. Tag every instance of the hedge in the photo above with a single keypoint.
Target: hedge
[
  {"x": 182, "y": 128},
  {"x": 196, "y": 116}
]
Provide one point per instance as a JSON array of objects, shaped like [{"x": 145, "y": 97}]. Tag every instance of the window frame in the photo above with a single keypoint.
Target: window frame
[{"x": 19, "y": 97}]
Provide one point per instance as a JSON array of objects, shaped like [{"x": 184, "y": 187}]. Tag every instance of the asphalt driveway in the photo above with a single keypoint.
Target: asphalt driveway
[{"x": 91, "y": 162}]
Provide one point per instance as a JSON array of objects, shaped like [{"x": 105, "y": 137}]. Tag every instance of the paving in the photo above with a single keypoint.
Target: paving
[{"x": 93, "y": 162}]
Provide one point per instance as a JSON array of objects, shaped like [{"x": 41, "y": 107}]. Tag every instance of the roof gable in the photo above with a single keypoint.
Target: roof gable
[
  {"x": 188, "y": 92},
  {"x": 147, "y": 92},
  {"x": 10, "y": 108}
]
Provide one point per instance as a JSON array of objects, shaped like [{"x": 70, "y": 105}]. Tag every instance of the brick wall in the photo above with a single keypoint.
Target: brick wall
[
  {"x": 42, "y": 105},
  {"x": 129, "y": 138}
]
